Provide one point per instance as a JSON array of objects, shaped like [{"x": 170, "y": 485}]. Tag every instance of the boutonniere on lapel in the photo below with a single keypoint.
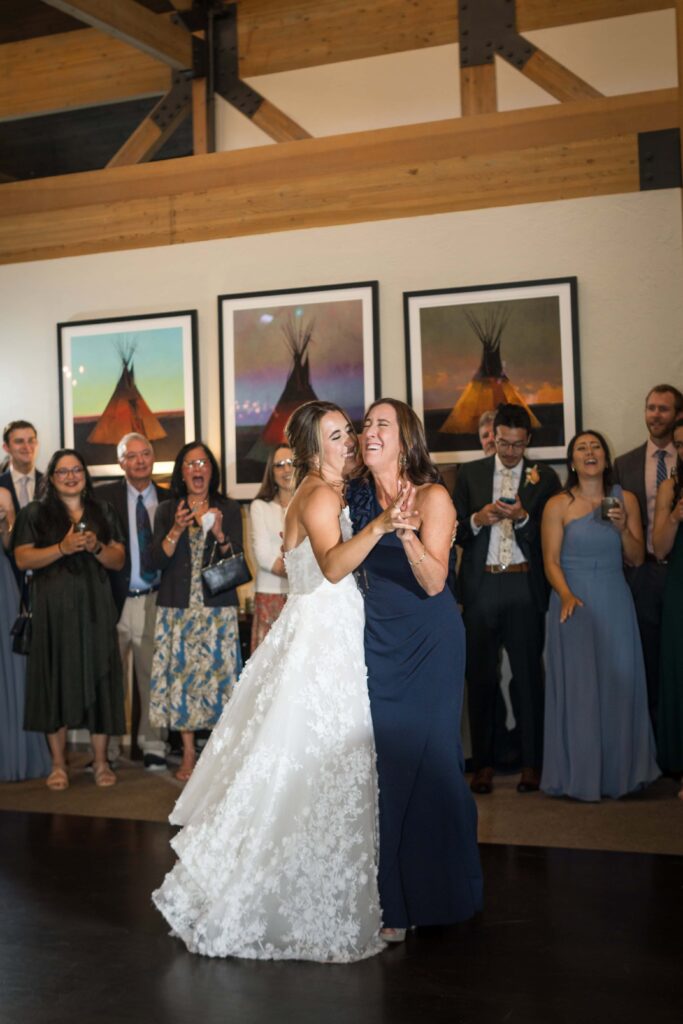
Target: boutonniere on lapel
[{"x": 532, "y": 476}]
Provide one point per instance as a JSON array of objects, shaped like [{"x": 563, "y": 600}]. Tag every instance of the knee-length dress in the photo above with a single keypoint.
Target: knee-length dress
[
  {"x": 277, "y": 857},
  {"x": 598, "y": 738},
  {"x": 74, "y": 675},
  {"x": 23, "y": 755},
  {"x": 670, "y": 707},
  {"x": 196, "y": 656},
  {"x": 429, "y": 869}
]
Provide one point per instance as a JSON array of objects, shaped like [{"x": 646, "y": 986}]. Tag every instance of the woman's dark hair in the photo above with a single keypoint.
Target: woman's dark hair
[
  {"x": 418, "y": 468},
  {"x": 572, "y": 475},
  {"x": 268, "y": 489},
  {"x": 305, "y": 437},
  {"x": 178, "y": 486},
  {"x": 678, "y": 469},
  {"x": 54, "y": 520}
]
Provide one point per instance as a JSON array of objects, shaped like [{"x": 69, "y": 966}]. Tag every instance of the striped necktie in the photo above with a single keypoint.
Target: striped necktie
[{"x": 661, "y": 467}]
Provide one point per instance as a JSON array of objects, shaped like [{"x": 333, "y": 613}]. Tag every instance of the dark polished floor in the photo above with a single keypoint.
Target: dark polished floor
[{"x": 566, "y": 936}]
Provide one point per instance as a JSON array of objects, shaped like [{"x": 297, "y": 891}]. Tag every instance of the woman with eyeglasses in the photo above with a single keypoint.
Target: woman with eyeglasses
[
  {"x": 267, "y": 514},
  {"x": 69, "y": 540},
  {"x": 196, "y": 642}
]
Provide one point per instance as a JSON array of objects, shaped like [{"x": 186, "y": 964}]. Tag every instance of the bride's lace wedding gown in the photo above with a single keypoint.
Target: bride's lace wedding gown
[{"x": 277, "y": 857}]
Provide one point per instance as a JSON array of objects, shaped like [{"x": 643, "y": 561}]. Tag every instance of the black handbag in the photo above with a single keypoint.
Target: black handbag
[
  {"x": 227, "y": 573},
  {"x": 22, "y": 628}
]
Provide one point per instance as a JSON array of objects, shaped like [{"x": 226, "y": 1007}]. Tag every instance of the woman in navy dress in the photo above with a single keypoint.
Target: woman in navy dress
[{"x": 429, "y": 870}]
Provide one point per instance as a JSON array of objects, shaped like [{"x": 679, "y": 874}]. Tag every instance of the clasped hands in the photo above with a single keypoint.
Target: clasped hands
[
  {"x": 78, "y": 540},
  {"x": 402, "y": 517},
  {"x": 184, "y": 516}
]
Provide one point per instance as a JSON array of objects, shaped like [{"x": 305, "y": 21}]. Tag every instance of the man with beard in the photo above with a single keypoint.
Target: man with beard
[{"x": 641, "y": 471}]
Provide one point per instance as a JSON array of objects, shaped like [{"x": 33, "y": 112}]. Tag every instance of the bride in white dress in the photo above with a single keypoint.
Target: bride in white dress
[{"x": 277, "y": 858}]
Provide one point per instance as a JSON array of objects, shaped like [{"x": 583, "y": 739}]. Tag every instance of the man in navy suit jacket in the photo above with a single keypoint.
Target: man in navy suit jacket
[
  {"x": 134, "y": 587},
  {"x": 500, "y": 501},
  {"x": 636, "y": 471},
  {"x": 21, "y": 478}
]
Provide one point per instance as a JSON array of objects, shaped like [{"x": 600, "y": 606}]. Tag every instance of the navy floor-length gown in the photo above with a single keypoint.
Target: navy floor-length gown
[{"x": 429, "y": 869}]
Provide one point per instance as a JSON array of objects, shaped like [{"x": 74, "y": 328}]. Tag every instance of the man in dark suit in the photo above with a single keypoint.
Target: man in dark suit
[
  {"x": 500, "y": 501},
  {"x": 21, "y": 478},
  {"x": 135, "y": 499},
  {"x": 641, "y": 471}
]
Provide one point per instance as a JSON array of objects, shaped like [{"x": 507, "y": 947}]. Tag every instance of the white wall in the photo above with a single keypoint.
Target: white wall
[{"x": 625, "y": 251}]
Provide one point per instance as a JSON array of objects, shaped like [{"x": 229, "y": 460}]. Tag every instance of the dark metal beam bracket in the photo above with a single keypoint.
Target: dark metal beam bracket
[{"x": 487, "y": 28}]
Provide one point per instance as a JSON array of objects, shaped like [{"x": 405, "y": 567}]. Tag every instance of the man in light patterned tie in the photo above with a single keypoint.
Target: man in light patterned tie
[
  {"x": 135, "y": 587},
  {"x": 500, "y": 501},
  {"x": 641, "y": 471},
  {"x": 21, "y": 478}
]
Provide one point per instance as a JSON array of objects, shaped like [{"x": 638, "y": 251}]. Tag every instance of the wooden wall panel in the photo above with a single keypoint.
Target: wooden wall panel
[
  {"x": 74, "y": 70},
  {"x": 580, "y": 149}
]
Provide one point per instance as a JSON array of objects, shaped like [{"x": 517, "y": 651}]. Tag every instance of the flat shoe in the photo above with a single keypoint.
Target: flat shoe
[
  {"x": 393, "y": 934},
  {"x": 57, "y": 780},
  {"x": 104, "y": 776}
]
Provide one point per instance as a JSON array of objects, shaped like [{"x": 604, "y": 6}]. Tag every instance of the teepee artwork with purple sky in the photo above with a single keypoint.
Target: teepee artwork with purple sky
[
  {"x": 298, "y": 334},
  {"x": 126, "y": 411},
  {"x": 490, "y": 385}
]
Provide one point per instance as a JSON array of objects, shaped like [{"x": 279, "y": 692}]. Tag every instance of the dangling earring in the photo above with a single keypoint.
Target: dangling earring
[{"x": 402, "y": 461}]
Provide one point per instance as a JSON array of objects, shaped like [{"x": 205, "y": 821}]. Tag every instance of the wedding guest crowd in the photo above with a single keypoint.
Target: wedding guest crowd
[{"x": 581, "y": 584}]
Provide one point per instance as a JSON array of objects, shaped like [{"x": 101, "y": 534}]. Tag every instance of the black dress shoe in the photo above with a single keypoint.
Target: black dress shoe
[
  {"x": 530, "y": 781},
  {"x": 482, "y": 781},
  {"x": 154, "y": 763}
]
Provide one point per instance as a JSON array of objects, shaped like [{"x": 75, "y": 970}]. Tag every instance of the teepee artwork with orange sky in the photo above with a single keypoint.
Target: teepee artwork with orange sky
[
  {"x": 128, "y": 376},
  {"x": 472, "y": 349}
]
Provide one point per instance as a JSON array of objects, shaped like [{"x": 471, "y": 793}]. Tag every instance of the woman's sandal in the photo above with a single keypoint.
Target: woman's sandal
[
  {"x": 57, "y": 780},
  {"x": 104, "y": 776}
]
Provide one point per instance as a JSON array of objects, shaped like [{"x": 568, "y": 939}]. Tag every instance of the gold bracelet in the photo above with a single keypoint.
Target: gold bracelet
[
  {"x": 420, "y": 559},
  {"x": 170, "y": 540}
]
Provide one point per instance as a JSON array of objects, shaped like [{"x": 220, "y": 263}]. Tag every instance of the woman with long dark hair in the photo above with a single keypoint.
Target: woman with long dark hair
[
  {"x": 196, "y": 641},
  {"x": 278, "y": 859},
  {"x": 667, "y": 541},
  {"x": 267, "y": 515},
  {"x": 598, "y": 739},
  {"x": 69, "y": 540},
  {"x": 429, "y": 871}
]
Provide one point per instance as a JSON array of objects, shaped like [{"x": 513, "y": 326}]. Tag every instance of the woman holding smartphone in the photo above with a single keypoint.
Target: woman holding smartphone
[
  {"x": 598, "y": 738},
  {"x": 69, "y": 540}
]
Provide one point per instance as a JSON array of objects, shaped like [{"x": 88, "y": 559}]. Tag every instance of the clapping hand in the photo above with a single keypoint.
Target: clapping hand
[
  {"x": 217, "y": 528},
  {"x": 183, "y": 515}
]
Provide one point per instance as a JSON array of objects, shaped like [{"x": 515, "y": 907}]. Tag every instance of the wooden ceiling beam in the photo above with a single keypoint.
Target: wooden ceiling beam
[
  {"x": 73, "y": 70},
  {"x": 278, "y": 35},
  {"x": 556, "y": 79},
  {"x": 478, "y": 90},
  {"x": 130, "y": 22},
  {"x": 156, "y": 128},
  {"x": 543, "y": 154}
]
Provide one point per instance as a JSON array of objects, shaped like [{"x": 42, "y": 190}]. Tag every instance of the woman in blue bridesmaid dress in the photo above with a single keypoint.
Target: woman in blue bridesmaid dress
[
  {"x": 429, "y": 870},
  {"x": 598, "y": 738}
]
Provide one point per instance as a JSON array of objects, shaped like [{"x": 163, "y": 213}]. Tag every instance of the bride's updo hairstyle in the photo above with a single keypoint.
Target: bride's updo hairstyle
[{"x": 303, "y": 431}]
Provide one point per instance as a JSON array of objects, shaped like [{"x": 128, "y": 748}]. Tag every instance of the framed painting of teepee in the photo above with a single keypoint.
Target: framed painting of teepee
[
  {"x": 469, "y": 349},
  {"x": 279, "y": 349},
  {"x": 128, "y": 375}
]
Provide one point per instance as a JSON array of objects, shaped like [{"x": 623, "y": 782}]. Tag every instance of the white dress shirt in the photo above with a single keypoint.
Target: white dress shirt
[
  {"x": 492, "y": 557},
  {"x": 651, "y": 461}
]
